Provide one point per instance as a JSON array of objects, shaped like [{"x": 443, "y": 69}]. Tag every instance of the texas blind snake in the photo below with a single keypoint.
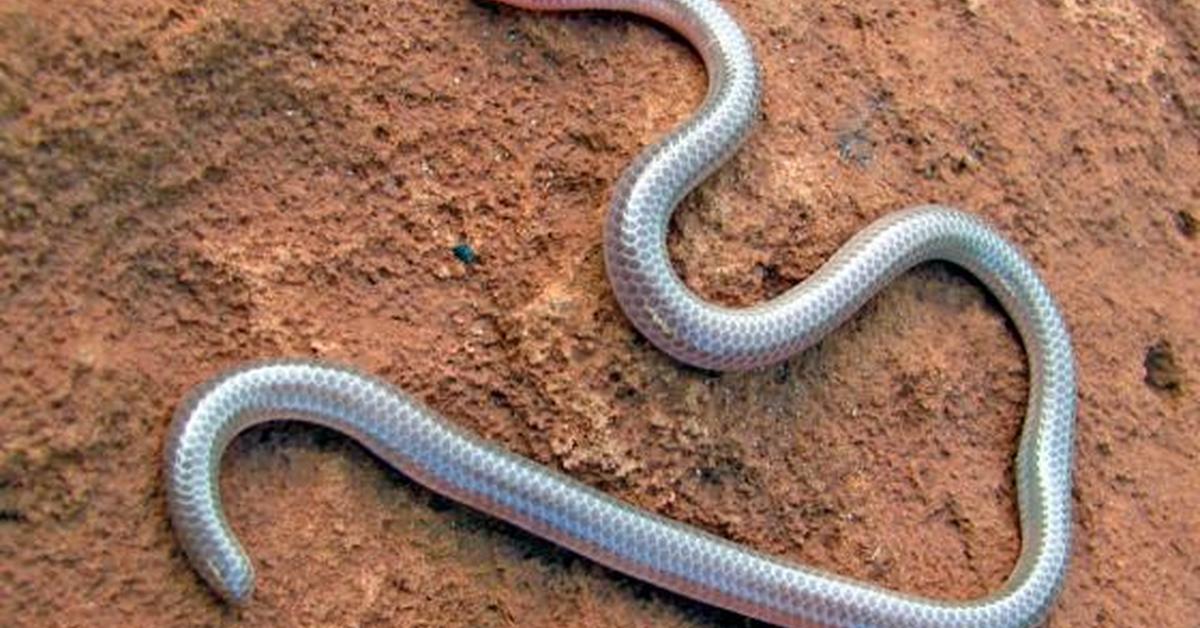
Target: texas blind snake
[{"x": 454, "y": 462}]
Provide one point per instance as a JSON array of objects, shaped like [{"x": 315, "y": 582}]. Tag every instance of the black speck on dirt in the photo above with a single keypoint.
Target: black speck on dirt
[
  {"x": 1162, "y": 371},
  {"x": 783, "y": 372},
  {"x": 466, "y": 254}
]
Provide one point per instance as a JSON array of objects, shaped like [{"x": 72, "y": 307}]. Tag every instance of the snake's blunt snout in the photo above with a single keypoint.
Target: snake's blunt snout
[
  {"x": 228, "y": 573},
  {"x": 236, "y": 587}
]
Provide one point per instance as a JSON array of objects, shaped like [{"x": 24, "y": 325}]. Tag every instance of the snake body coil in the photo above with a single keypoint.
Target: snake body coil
[{"x": 456, "y": 463}]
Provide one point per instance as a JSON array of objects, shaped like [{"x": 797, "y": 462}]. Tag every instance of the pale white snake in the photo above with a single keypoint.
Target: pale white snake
[{"x": 456, "y": 463}]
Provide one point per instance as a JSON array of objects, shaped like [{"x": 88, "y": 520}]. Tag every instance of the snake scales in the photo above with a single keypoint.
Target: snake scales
[{"x": 458, "y": 464}]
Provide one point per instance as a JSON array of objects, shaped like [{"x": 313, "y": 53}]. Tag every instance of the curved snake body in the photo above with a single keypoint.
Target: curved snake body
[{"x": 458, "y": 464}]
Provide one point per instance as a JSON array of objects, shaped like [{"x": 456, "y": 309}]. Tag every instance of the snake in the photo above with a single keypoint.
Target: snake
[{"x": 456, "y": 463}]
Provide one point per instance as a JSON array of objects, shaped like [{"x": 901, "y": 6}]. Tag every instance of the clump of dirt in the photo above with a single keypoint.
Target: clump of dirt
[
  {"x": 418, "y": 188},
  {"x": 1162, "y": 371}
]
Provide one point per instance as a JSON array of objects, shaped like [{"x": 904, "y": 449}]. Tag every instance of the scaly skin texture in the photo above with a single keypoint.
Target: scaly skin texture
[{"x": 451, "y": 461}]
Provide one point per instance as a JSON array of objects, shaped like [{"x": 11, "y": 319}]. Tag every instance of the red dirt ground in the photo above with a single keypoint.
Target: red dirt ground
[{"x": 188, "y": 185}]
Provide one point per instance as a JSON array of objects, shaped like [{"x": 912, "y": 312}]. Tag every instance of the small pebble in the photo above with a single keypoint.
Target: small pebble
[
  {"x": 1162, "y": 371},
  {"x": 1187, "y": 223}
]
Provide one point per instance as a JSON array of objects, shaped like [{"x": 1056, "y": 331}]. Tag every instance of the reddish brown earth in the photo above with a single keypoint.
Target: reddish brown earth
[{"x": 189, "y": 185}]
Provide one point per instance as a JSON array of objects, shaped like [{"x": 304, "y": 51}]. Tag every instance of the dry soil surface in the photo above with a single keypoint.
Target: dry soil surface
[{"x": 187, "y": 185}]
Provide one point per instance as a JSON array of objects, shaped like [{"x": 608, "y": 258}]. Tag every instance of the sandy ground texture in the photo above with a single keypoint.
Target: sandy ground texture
[{"x": 187, "y": 185}]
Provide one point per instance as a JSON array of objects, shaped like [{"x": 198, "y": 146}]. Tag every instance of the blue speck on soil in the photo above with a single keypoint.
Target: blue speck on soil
[{"x": 466, "y": 254}]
